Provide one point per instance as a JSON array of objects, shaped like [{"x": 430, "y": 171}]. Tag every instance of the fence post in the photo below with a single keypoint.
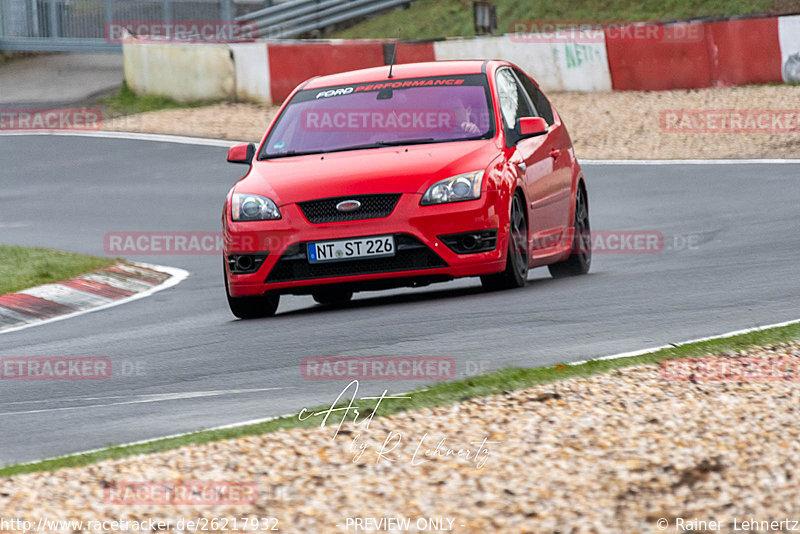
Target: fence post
[
  {"x": 225, "y": 9},
  {"x": 53, "y": 19},
  {"x": 109, "y": 13},
  {"x": 166, "y": 10},
  {"x": 36, "y": 31}
]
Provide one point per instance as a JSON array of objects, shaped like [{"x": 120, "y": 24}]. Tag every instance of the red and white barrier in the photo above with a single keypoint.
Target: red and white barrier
[
  {"x": 556, "y": 66},
  {"x": 686, "y": 55},
  {"x": 789, "y": 38},
  {"x": 699, "y": 54}
]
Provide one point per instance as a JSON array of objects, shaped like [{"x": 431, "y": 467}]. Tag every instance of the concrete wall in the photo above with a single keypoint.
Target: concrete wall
[
  {"x": 184, "y": 72},
  {"x": 789, "y": 38},
  {"x": 556, "y": 66},
  {"x": 252, "y": 72},
  {"x": 682, "y": 55}
]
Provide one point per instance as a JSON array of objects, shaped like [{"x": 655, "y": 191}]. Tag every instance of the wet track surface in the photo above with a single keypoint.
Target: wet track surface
[{"x": 730, "y": 261}]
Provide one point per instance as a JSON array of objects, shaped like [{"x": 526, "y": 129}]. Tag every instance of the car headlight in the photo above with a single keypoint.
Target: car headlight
[
  {"x": 465, "y": 186},
  {"x": 253, "y": 208}
]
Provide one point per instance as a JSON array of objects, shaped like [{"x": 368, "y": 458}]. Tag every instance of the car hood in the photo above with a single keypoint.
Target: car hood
[{"x": 410, "y": 169}]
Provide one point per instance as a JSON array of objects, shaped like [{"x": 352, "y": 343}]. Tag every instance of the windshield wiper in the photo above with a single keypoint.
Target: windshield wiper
[
  {"x": 409, "y": 142},
  {"x": 293, "y": 153},
  {"x": 377, "y": 144}
]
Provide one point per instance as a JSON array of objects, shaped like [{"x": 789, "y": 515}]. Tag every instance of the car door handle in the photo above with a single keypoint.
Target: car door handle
[
  {"x": 522, "y": 166},
  {"x": 555, "y": 153}
]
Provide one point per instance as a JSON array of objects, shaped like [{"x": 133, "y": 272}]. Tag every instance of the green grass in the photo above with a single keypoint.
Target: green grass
[
  {"x": 428, "y": 19},
  {"x": 126, "y": 102},
  {"x": 438, "y": 395},
  {"x": 21, "y": 267}
]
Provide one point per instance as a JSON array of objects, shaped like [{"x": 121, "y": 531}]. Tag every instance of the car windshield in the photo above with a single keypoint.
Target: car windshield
[{"x": 383, "y": 113}]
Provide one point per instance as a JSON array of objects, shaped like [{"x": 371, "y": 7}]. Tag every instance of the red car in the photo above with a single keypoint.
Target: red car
[{"x": 403, "y": 176}]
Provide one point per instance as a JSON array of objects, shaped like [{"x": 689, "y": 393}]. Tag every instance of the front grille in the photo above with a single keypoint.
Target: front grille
[
  {"x": 410, "y": 254},
  {"x": 372, "y": 207}
]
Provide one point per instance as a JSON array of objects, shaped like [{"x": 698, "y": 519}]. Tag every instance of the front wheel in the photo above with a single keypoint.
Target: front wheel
[
  {"x": 254, "y": 307},
  {"x": 580, "y": 259},
  {"x": 251, "y": 307},
  {"x": 333, "y": 296},
  {"x": 516, "y": 271}
]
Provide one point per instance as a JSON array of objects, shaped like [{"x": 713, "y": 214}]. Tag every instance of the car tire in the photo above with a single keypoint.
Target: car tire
[
  {"x": 252, "y": 307},
  {"x": 332, "y": 296},
  {"x": 516, "y": 271},
  {"x": 580, "y": 259}
]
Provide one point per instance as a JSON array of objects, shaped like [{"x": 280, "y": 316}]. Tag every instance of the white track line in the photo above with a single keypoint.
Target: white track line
[
  {"x": 266, "y": 419},
  {"x": 144, "y": 399},
  {"x": 222, "y": 143},
  {"x": 201, "y": 141},
  {"x": 675, "y": 345},
  {"x": 151, "y": 440},
  {"x": 176, "y": 277},
  {"x": 688, "y": 161},
  {"x": 132, "y": 136}
]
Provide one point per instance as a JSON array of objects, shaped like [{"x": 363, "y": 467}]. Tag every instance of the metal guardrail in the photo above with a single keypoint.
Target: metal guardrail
[
  {"x": 80, "y": 25},
  {"x": 297, "y": 17}
]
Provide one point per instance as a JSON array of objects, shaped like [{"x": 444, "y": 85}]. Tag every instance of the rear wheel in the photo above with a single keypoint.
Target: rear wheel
[
  {"x": 332, "y": 296},
  {"x": 516, "y": 271},
  {"x": 580, "y": 259},
  {"x": 252, "y": 307}
]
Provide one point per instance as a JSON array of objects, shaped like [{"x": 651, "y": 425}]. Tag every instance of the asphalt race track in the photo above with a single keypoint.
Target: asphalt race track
[{"x": 199, "y": 367}]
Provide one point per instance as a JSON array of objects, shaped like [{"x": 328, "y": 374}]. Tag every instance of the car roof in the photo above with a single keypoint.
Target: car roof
[{"x": 400, "y": 71}]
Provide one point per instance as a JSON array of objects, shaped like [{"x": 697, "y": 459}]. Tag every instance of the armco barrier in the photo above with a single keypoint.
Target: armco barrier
[
  {"x": 789, "y": 39},
  {"x": 556, "y": 66}
]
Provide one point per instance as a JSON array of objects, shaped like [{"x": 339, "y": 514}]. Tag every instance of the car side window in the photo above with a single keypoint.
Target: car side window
[
  {"x": 513, "y": 102},
  {"x": 543, "y": 108}
]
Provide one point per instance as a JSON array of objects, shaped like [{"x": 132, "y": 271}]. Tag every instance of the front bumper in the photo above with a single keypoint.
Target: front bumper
[{"x": 421, "y": 255}]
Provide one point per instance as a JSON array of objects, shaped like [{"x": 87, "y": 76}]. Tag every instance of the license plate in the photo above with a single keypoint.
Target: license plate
[{"x": 350, "y": 249}]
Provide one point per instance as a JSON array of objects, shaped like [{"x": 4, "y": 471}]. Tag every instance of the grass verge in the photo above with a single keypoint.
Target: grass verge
[
  {"x": 126, "y": 102},
  {"x": 438, "y": 395},
  {"x": 22, "y": 267},
  {"x": 429, "y": 19}
]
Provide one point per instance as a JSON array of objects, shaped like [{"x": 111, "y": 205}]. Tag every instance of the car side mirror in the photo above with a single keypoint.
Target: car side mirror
[
  {"x": 530, "y": 127},
  {"x": 242, "y": 153}
]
